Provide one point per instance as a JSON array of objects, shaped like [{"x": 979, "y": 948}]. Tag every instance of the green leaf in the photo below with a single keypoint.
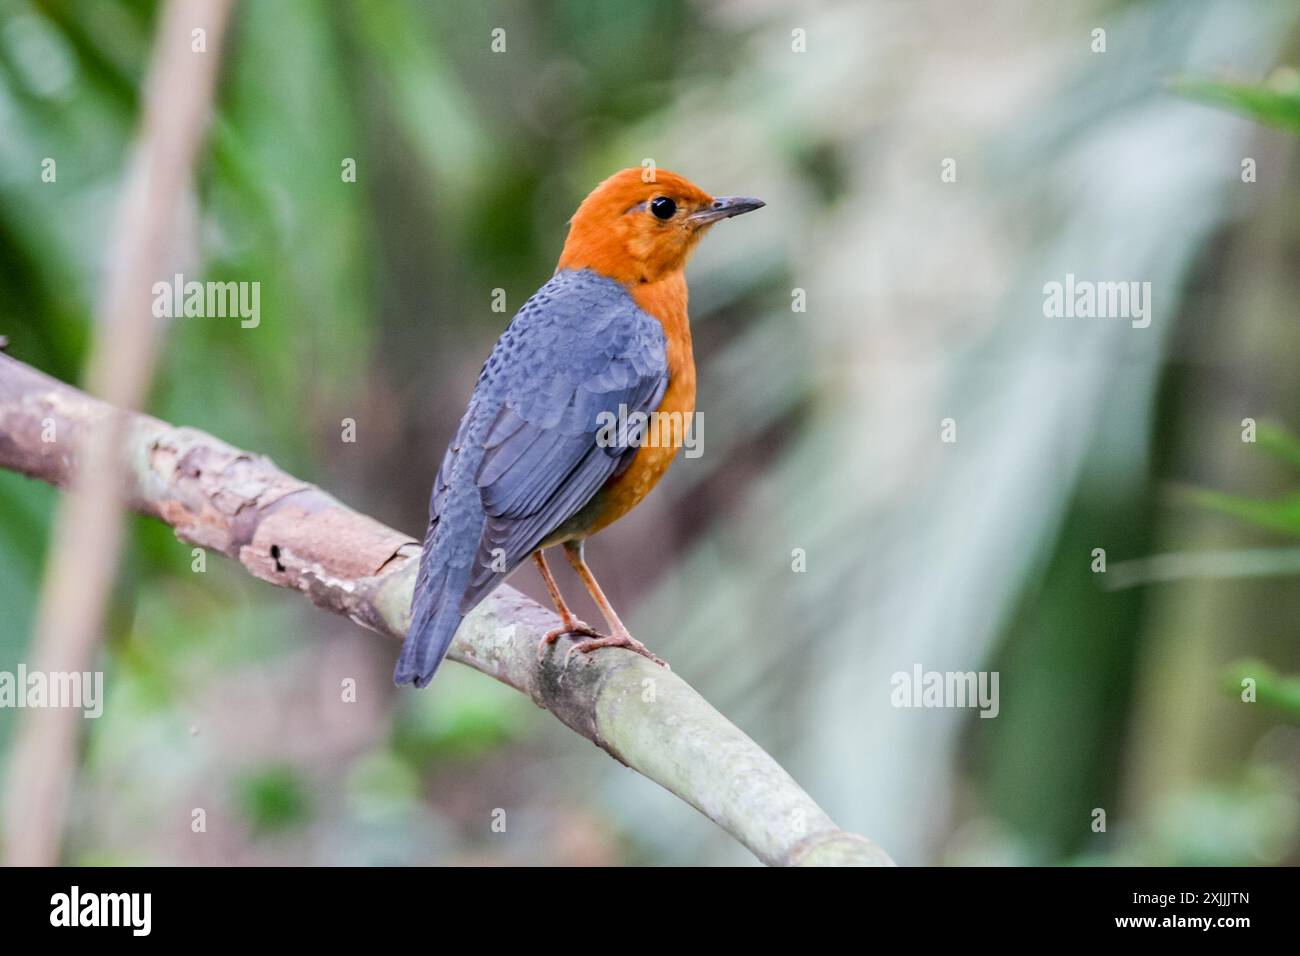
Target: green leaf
[
  {"x": 1276, "y": 103},
  {"x": 1271, "y": 688},
  {"x": 1282, "y": 514}
]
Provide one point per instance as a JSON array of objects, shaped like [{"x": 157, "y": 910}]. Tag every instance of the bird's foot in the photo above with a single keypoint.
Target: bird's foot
[
  {"x": 573, "y": 626},
  {"x": 618, "y": 640}
]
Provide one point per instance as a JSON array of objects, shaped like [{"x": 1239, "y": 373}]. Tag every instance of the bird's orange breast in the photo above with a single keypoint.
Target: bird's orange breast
[{"x": 666, "y": 301}]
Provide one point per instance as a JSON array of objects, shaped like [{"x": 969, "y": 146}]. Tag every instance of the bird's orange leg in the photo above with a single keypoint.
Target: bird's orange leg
[
  {"x": 568, "y": 623},
  {"x": 621, "y": 637}
]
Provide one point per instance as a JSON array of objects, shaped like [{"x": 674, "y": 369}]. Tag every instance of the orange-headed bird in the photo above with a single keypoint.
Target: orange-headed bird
[{"x": 535, "y": 462}]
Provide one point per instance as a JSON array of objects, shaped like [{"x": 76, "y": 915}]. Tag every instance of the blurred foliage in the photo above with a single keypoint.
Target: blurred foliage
[
  {"x": 274, "y": 799},
  {"x": 1254, "y": 820},
  {"x": 1271, "y": 688},
  {"x": 1276, "y": 103},
  {"x": 460, "y": 723},
  {"x": 1281, "y": 514}
]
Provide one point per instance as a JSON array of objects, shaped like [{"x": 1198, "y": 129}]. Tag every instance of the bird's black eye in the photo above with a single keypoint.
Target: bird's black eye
[{"x": 663, "y": 207}]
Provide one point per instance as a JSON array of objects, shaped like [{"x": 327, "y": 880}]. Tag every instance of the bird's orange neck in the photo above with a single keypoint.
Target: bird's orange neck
[{"x": 666, "y": 301}]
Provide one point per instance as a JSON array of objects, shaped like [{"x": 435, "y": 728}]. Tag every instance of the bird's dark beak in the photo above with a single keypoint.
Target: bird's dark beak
[{"x": 724, "y": 207}]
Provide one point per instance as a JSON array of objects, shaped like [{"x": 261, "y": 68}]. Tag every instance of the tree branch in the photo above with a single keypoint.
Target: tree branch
[{"x": 292, "y": 534}]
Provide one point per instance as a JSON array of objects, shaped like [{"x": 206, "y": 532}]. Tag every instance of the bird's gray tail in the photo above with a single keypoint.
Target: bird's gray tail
[{"x": 435, "y": 616}]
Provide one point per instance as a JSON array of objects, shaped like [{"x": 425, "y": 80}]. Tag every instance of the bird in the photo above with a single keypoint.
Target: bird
[{"x": 551, "y": 448}]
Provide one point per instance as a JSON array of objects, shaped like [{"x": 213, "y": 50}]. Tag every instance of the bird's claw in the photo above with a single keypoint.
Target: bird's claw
[
  {"x": 618, "y": 640},
  {"x": 569, "y": 627}
]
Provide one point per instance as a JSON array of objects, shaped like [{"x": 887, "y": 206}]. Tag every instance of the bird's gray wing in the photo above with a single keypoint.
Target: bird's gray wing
[{"x": 534, "y": 446}]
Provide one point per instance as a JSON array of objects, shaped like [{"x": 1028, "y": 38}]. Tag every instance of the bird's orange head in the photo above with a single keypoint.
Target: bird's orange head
[{"x": 637, "y": 231}]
